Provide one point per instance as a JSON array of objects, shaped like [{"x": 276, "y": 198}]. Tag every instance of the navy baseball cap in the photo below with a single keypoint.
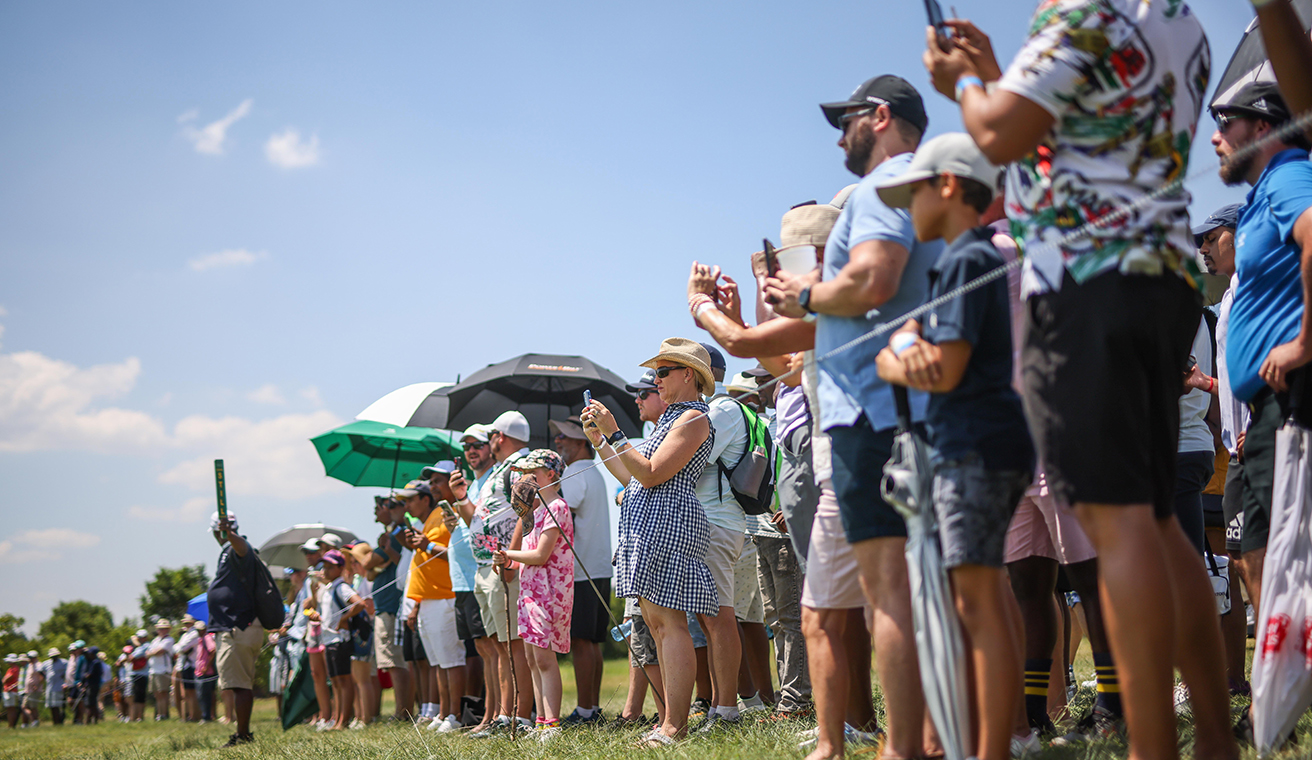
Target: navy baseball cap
[
  {"x": 717, "y": 358},
  {"x": 645, "y": 383},
  {"x": 1226, "y": 216},
  {"x": 902, "y": 99}
]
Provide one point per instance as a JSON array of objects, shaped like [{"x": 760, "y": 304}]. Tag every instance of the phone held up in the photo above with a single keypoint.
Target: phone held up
[
  {"x": 935, "y": 13},
  {"x": 587, "y": 397},
  {"x": 771, "y": 260}
]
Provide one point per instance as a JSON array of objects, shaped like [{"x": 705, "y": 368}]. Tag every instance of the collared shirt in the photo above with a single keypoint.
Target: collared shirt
[
  {"x": 161, "y": 663},
  {"x": 713, "y": 490},
  {"x": 494, "y": 521},
  {"x": 1268, "y": 306},
  {"x": 849, "y": 383},
  {"x": 584, "y": 490},
  {"x": 1234, "y": 415},
  {"x": 387, "y": 600},
  {"x": 300, "y": 623},
  {"x": 230, "y": 603},
  {"x": 1124, "y": 81}
]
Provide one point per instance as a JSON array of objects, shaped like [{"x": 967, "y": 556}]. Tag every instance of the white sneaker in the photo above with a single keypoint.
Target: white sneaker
[
  {"x": 446, "y": 725},
  {"x": 1180, "y": 696},
  {"x": 423, "y": 720},
  {"x": 547, "y": 734},
  {"x": 1025, "y": 746},
  {"x": 749, "y": 706},
  {"x": 323, "y": 725}
]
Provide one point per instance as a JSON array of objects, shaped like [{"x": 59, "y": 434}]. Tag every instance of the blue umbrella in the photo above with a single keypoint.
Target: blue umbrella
[{"x": 199, "y": 608}]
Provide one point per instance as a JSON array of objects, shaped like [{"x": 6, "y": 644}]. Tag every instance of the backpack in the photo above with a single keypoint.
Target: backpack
[
  {"x": 752, "y": 479},
  {"x": 359, "y": 627},
  {"x": 266, "y": 597}
]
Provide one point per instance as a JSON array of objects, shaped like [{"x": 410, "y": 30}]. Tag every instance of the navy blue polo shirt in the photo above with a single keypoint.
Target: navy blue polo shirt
[
  {"x": 983, "y": 414},
  {"x": 387, "y": 598},
  {"x": 229, "y": 597},
  {"x": 1268, "y": 305}
]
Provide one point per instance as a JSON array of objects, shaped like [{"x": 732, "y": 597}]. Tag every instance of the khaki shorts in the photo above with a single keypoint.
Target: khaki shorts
[
  {"x": 748, "y": 604},
  {"x": 237, "y": 653},
  {"x": 722, "y": 555},
  {"x": 491, "y": 595},
  {"x": 386, "y": 648},
  {"x": 161, "y": 682},
  {"x": 833, "y": 579}
]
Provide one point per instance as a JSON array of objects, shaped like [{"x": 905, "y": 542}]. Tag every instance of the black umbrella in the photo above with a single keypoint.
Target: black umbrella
[
  {"x": 541, "y": 386},
  {"x": 1249, "y": 62}
]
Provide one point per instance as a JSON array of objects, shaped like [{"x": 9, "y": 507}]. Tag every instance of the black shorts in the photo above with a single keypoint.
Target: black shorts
[
  {"x": 469, "y": 622},
  {"x": 1270, "y": 410},
  {"x": 1103, "y": 367},
  {"x": 140, "y": 686},
  {"x": 1232, "y": 504},
  {"x": 1193, "y": 469},
  {"x": 339, "y": 658},
  {"x": 1213, "y": 510},
  {"x": 591, "y": 618},
  {"x": 859, "y": 455},
  {"x": 412, "y": 647},
  {"x": 188, "y": 679},
  {"x": 471, "y": 649}
]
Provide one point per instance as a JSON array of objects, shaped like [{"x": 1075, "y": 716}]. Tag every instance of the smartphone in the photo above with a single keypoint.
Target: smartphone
[
  {"x": 460, "y": 465},
  {"x": 771, "y": 261},
  {"x": 935, "y": 13},
  {"x": 1189, "y": 365},
  {"x": 587, "y": 397}
]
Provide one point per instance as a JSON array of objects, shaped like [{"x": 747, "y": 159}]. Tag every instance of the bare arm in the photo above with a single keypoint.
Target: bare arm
[
  {"x": 674, "y": 453},
  {"x": 541, "y": 554},
  {"x": 868, "y": 280},
  {"x": 925, "y": 366},
  {"x": 772, "y": 338},
  {"x": 1288, "y": 357}
]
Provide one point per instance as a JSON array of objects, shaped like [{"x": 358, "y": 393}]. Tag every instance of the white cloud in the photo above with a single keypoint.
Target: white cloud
[
  {"x": 311, "y": 394},
  {"x": 266, "y": 394},
  {"x": 192, "y": 510},
  {"x": 234, "y": 257},
  {"x": 191, "y": 114},
  {"x": 210, "y": 138},
  {"x": 286, "y": 150},
  {"x": 47, "y": 404},
  {"x": 46, "y": 544}
]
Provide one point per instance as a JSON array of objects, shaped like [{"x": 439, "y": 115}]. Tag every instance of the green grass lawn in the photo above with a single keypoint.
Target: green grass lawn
[{"x": 158, "y": 741}]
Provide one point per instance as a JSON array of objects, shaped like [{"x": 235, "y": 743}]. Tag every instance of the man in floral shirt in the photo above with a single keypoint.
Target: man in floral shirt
[{"x": 1094, "y": 115}]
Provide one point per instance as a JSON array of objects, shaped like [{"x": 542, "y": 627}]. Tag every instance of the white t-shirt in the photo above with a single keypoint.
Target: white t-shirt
[
  {"x": 185, "y": 650},
  {"x": 331, "y": 613},
  {"x": 1194, "y": 433},
  {"x": 584, "y": 490},
  {"x": 161, "y": 664},
  {"x": 713, "y": 490},
  {"x": 1234, "y": 413}
]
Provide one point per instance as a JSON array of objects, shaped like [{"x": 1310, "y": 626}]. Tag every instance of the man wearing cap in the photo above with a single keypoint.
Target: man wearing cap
[
  {"x": 329, "y": 541},
  {"x": 434, "y": 615},
  {"x": 184, "y": 670},
  {"x": 1269, "y": 339},
  {"x": 648, "y": 399},
  {"x": 53, "y": 669},
  {"x": 872, "y": 262},
  {"x": 1074, "y": 154},
  {"x": 240, "y": 636},
  {"x": 387, "y": 603},
  {"x": 491, "y": 522},
  {"x": 469, "y": 618},
  {"x": 584, "y": 490},
  {"x": 464, "y": 569},
  {"x": 33, "y": 687},
  {"x": 159, "y": 654}
]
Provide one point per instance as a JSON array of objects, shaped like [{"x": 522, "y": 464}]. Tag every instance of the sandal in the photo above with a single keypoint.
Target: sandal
[{"x": 653, "y": 739}]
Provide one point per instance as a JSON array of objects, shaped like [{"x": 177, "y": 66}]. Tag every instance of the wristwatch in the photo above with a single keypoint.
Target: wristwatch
[
  {"x": 804, "y": 300},
  {"x": 616, "y": 437}
]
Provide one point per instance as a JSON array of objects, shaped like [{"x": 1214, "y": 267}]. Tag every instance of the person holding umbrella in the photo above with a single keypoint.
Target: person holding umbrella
[{"x": 664, "y": 534}]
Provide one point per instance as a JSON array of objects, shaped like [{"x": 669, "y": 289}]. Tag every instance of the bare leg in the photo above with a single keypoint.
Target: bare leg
[
  {"x": 489, "y": 652},
  {"x": 319, "y": 672},
  {"x": 403, "y": 692},
  {"x": 884, "y": 581},
  {"x": 637, "y": 696},
  {"x": 525, "y": 684},
  {"x": 1252, "y": 570},
  {"x": 826, "y": 656},
  {"x": 756, "y": 658},
  {"x": 674, "y": 650},
  {"x": 455, "y": 689},
  {"x": 725, "y": 652},
  {"x": 547, "y": 673},
  {"x": 860, "y": 691},
  {"x": 997, "y": 666},
  {"x": 703, "y": 673}
]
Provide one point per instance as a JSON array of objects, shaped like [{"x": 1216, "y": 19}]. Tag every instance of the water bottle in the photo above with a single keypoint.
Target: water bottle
[{"x": 621, "y": 632}]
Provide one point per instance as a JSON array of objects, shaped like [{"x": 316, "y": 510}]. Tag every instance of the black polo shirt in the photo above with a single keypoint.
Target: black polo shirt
[{"x": 230, "y": 602}]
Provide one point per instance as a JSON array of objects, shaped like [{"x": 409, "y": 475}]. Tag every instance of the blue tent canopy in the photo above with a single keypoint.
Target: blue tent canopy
[{"x": 199, "y": 608}]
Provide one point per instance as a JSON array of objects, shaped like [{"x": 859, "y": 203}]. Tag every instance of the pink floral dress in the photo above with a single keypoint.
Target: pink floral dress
[{"x": 546, "y": 592}]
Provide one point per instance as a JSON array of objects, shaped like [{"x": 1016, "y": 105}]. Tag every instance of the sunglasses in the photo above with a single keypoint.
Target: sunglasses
[
  {"x": 1224, "y": 120},
  {"x": 848, "y": 118},
  {"x": 473, "y": 446},
  {"x": 664, "y": 372},
  {"x": 643, "y": 394}
]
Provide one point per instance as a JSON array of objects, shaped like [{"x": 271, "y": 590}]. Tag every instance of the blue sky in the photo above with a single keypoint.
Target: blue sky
[{"x": 224, "y": 229}]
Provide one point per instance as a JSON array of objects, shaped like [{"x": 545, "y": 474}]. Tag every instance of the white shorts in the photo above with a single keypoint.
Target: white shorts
[
  {"x": 437, "y": 629},
  {"x": 748, "y": 604},
  {"x": 12, "y": 699},
  {"x": 833, "y": 578},
  {"x": 722, "y": 554}
]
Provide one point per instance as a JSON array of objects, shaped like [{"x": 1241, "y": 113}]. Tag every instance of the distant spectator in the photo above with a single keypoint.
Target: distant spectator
[
  {"x": 185, "y": 669},
  {"x": 54, "y": 672},
  {"x": 33, "y": 686},
  {"x": 140, "y": 675},
  {"x": 206, "y": 673},
  {"x": 160, "y": 665},
  {"x": 338, "y": 603},
  {"x": 11, "y": 699},
  {"x": 232, "y": 617}
]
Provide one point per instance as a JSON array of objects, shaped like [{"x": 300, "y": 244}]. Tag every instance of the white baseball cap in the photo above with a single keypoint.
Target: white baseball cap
[
  {"x": 477, "y": 431},
  {"x": 954, "y": 153},
  {"x": 445, "y": 467},
  {"x": 512, "y": 425},
  {"x": 214, "y": 521},
  {"x": 331, "y": 539}
]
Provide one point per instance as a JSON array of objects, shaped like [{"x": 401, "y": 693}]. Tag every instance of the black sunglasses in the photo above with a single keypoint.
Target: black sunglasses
[
  {"x": 664, "y": 372},
  {"x": 643, "y": 394},
  {"x": 1224, "y": 120},
  {"x": 473, "y": 446},
  {"x": 847, "y": 118}
]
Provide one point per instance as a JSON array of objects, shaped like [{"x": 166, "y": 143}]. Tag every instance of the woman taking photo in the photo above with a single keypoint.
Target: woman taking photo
[{"x": 663, "y": 532}]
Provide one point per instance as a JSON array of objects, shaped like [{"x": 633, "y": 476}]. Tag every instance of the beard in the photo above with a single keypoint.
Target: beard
[
  {"x": 1234, "y": 172},
  {"x": 858, "y": 155}
]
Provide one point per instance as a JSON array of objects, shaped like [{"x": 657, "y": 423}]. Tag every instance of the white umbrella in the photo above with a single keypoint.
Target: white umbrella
[
  {"x": 907, "y": 485},
  {"x": 1282, "y": 662},
  {"x": 397, "y": 407},
  {"x": 283, "y": 548}
]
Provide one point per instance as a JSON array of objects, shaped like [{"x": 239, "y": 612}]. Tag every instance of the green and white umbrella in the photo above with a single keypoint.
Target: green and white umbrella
[{"x": 369, "y": 453}]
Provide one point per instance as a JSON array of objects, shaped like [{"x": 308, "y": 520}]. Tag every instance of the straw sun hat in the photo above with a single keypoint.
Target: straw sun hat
[{"x": 688, "y": 353}]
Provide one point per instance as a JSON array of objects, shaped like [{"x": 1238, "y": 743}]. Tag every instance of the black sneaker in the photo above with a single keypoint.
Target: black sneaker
[
  {"x": 574, "y": 720},
  {"x": 621, "y": 723},
  {"x": 1097, "y": 725},
  {"x": 238, "y": 739},
  {"x": 1244, "y": 729},
  {"x": 700, "y": 708}
]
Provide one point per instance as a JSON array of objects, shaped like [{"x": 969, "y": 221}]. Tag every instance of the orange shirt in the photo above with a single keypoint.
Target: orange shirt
[{"x": 431, "y": 580}]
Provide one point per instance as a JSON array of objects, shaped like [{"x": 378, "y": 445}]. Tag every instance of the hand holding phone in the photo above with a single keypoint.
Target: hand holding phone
[
  {"x": 935, "y": 13},
  {"x": 587, "y": 397},
  {"x": 771, "y": 260}
]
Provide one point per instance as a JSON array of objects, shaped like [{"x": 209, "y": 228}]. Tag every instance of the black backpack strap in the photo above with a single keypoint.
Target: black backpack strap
[{"x": 903, "y": 402}]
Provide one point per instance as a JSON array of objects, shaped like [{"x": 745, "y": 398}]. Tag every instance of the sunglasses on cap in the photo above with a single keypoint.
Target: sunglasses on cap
[{"x": 664, "y": 372}]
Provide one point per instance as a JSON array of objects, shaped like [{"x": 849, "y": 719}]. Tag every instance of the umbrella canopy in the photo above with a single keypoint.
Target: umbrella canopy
[
  {"x": 1249, "y": 62},
  {"x": 907, "y": 485},
  {"x": 199, "y": 607},
  {"x": 283, "y": 548},
  {"x": 298, "y": 699},
  {"x": 542, "y": 387},
  {"x": 368, "y": 453},
  {"x": 397, "y": 407}
]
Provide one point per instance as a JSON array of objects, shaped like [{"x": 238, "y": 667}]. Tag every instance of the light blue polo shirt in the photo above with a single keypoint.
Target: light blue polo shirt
[
  {"x": 459, "y": 552},
  {"x": 1268, "y": 305},
  {"x": 849, "y": 382}
]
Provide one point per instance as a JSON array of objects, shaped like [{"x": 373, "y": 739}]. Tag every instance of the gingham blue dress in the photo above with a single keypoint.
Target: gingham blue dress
[{"x": 664, "y": 534}]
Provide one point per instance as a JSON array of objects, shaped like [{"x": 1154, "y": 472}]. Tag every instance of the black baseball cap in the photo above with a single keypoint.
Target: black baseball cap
[
  {"x": 1226, "y": 216},
  {"x": 717, "y": 358},
  {"x": 1261, "y": 100},
  {"x": 645, "y": 383},
  {"x": 902, "y": 99}
]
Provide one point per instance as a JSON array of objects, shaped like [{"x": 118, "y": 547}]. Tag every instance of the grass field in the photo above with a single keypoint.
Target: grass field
[{"x": 160, "y": 741}]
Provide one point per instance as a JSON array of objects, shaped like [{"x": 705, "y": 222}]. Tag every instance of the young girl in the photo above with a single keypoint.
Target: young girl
[
  {"x": 337, "y": 603},
  {"x": 546, "y": 586}
]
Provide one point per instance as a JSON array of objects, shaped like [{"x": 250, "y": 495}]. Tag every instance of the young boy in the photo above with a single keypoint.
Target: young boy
[{"x": 983, "y": 457}]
